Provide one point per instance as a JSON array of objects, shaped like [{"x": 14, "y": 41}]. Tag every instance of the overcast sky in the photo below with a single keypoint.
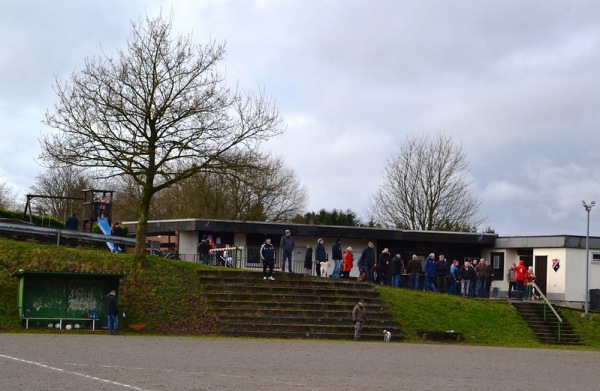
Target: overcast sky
[{"x": 517, "y": 83}]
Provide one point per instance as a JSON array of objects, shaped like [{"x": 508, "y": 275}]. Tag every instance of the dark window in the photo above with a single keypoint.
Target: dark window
[{"x": 497, "y": 261}]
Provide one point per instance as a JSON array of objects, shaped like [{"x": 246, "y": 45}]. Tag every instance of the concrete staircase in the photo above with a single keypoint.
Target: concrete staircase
[
  {"x": 546, "y": 329},
  {"x": 292, "y": 306}
]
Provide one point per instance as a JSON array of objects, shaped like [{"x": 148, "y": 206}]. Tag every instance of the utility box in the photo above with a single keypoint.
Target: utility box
[{"x": 595, "y": 299}]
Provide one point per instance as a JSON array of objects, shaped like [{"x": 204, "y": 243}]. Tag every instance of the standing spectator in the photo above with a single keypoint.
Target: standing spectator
[
  {"x": 480, "y": 284},
  {"x": 489, "y": 277},
  {"x": 465, "y": 279},
  {"x": 396, "y": 269},
  {"x": 414, "y": 269},
  {"x": 529, "y": 284},
  {"x": 383, "y": 266},
  {"x": 348, "y": 262},
  {"x": 72, "y": 223},
  {"x": 320, "y": 256},
  {"x": 287, "y": 245},
  {"x": 442, "y": 269},
  {"x": 112, "y": 312},
  {"x": 267, "y": 256},
  {"x": 336, "y": 255},
  {"x": 367, "y": 262},
  {"x": 359, "y": 317},
  {"x": 512, "y": 285},
  {"x": 308, "y": 259},
  {"x": 520, "y": 278},
  {"x": 454, "y": 278},
  {"x": 472, "y": 278},
  {"x": 204, "y": 250},
  {"x": 430, "y": 273},
  {"x": 116, "y": 230}
]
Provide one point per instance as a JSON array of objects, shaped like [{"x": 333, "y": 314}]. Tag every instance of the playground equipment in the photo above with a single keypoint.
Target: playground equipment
[
  {"x": 96, "y": 204},
  {"x": 105, "y": 228},
  {"x": 30, "y": 197}
]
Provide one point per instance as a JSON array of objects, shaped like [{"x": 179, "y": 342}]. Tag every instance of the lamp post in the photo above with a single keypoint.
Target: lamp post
[{"x": 588, "y": 209}]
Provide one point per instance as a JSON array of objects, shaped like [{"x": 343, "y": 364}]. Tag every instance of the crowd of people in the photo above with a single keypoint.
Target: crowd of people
[
  {"x": 471, "y": 279},
  {"x": 520, "y": 281}
]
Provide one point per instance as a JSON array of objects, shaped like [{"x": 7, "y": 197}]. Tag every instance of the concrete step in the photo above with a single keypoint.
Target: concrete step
[
  {"x": 292, "y": 306},
  {"x": 546, "y": 329}
]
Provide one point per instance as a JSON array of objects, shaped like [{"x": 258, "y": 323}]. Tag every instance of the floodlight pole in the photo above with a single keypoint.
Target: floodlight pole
[{"x": 588, "y": 209}]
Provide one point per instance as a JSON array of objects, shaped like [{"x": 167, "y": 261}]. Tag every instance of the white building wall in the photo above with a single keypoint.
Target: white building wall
[
  {"x": 555, "y": 280},
  {"x": 188, "y": 245},
  {"x": 575, "y": 275}
]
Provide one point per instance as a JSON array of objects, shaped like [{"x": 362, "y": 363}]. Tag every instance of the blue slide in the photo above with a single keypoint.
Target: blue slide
[{"x": 105, "y": 228}]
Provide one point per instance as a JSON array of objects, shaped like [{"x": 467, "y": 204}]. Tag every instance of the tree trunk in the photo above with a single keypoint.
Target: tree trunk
[{"x": 142, "y": 228}]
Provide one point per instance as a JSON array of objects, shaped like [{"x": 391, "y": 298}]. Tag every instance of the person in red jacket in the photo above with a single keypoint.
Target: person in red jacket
[
  {"x": 348, "y": 263},
  {"x": 520, "y": 278}
]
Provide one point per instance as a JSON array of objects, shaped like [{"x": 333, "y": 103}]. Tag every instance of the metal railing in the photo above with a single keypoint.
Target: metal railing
[
  {"x": 25, "y": 229},
  {"x": 548, "y": 305},
  {"x": 248, "y": 257}
]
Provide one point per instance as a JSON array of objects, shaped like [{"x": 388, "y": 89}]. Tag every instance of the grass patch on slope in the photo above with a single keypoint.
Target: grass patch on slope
[
  {"x": 588, "y": 330},
  {"x": 165, "y": 295},
  {"x": 482, "y": 322}
]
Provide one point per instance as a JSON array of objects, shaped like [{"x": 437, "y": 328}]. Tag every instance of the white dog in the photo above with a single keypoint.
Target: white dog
[
  {"x": 387, "y": 336},
  {"x": 325, "y": 269}
]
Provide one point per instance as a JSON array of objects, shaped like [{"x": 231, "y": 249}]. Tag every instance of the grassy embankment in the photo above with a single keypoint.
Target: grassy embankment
[{"x": 167, "y": 297}]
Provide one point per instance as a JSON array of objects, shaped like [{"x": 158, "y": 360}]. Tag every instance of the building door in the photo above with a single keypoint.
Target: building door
[{"x": 541, "y": 269}]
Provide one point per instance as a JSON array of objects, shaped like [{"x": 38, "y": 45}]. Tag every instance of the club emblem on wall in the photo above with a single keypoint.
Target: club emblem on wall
[{"x": 555, "y": 264}]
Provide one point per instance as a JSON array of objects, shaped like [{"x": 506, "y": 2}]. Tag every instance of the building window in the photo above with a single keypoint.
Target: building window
[
  {"x": 596, "y": 257},
  {"x": 496, "y": 261},
  {"x": 498, "y": 265}
]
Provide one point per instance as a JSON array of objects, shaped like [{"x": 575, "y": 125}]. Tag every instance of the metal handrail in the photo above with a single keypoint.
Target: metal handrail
[
  {"x": 547, "y": 303},
  {"x": 65, "y": 233}
]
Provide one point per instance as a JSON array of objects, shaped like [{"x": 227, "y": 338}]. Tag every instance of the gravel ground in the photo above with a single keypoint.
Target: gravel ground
[{"x": 102, "y": 362}]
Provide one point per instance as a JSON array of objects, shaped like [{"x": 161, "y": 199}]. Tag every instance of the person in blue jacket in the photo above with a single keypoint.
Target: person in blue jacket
[{"x": 430, "y": 273}]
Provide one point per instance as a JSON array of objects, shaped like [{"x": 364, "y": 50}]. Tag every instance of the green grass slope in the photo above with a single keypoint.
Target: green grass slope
[{"x": 164, "y": 295}]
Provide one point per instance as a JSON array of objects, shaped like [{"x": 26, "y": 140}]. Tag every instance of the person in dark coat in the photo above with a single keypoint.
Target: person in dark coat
[
  {"x": 383, "y": 267},
  {"x": 442, "y": 268},
  {"x": 308, "y": 259},
  {"x": 414, "y": 269},
  {"x": 112, "y": 312},
  {"x": 430, "y": 273},
  {"x": 320, "y": 256},
  {"x": 267, "y": 256},
  {"x": 287, "y": 245},
  {"x": 72, "y": 223},
  {"x": 337, "y": 256},
  {"x": 367, "y": 262},
  {"x": 396, "y": 270},
  {"x": 204, "y": 250},
  {"x": 472, "y": 272}
]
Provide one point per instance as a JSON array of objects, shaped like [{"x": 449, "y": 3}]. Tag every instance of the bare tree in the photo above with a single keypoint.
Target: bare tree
[
  {"x": 426, "y": 186},
  {"x": 60, "y": 181},
  {"x": 263, "y": 189},
  {"x": 158, "y": 113},
  {"x": 7, "y": 197}
]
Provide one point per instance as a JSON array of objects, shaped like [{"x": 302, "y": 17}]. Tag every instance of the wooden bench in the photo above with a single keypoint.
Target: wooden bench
[{"x": 60, "y": 321}]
